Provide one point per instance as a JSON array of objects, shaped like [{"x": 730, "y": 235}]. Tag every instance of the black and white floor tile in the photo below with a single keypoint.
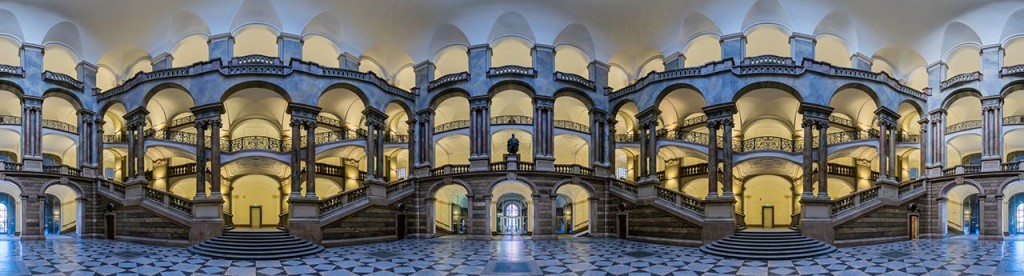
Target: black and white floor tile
[{"x": 453, "y": 256}]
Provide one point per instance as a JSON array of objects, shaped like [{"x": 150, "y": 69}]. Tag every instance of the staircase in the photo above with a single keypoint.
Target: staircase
[
  {"x": 255, "y": 245},
  {"x": 767, "y": 245}
]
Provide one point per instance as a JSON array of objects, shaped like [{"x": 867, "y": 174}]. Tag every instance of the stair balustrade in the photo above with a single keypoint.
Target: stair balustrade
[
  {"x": 341, "y": 200},
  {"x": 624, "y": 186},
  {"x": 62, "y": 169},
  {"x": 842, "y": 204},
  {"x": 169, "y": 200}
]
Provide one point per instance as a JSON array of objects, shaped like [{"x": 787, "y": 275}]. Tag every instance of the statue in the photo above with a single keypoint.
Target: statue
[{"x": 513, "y": 145}]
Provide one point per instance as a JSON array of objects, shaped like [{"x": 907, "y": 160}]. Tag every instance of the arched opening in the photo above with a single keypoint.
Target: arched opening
[
  {"x": 255, "y": 201},
  {"x": 882, "y": 66},
  {"x": 320, "y": 50},
  {"x": 627, "y": 163},
  {"x": 10, "y": 209},
  {"x": 960, "y": 211},
  {"x": 10, "y": 126},
  {"x": 345, "y": 166},
  {"x": 513, "y": 210},
  {"x": 451, "y": 211},
  {"x": 617, "y": 78},
  {"x": 140, "y": 66},
  {"x": 511, "y": 51},
  {"x": 964, "y": 59},
  {"x": 654, "y": 64},
  {"x": 451, "y": 114},
  {"x": 256, "y": 40},
  {"x": 499, "y": 144},
  {"x": 59, "y": 150},
  {"x": 60, "y": 59},
  {"x": 406, "y": 78},
  {"x": 680, "y": 166},
  {"x": 10, "y": 51},
  {"x": 572, "y": 60},
  {"x": 963, "y": 150},
  {"x": 450, "y": 60},
  {"x": 767, "y": 39},
  {"x": 571, "y": 150},
  {"x": 627, "y": 151},
  {"x": 832, "y": 49},
  {"x": 1014, "y": 52},
  {"x": 106, "y": 79},
  {"x": 60, "y": 112},
  {"x": 342, "y": 108},
  {"x": 573, "y": 116},
  {"x": 918, "y": 79},
  {"x": 190, "y": 50},
  {"x": 768, "y": 201},
  {"x": 854, "y": 109},
  {"x": 702, "y": 50},
  {"x": 61, "y": 211},
  {"x": 451, "y": 150},
  {"x": 1013, "y": 118},
  {"x": 256, "y": 119},
  {"x": 1013, "y": 209},
  {"x": 572, "y": 210},
  {"x": 170, "y": 109},
  {"x": 682, "y": 109},
  {"x": 767, "y": 119}
]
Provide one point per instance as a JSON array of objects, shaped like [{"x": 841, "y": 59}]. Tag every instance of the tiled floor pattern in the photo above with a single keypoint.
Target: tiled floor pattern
[{"x": 448, "y": 256}]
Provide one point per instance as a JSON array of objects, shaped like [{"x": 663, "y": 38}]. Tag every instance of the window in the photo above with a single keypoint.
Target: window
[
  {"x": 1020, "y": 218},
  {"x": 512, "y": 210},
  {"x": 3, "y": 218},
  {"x": 620, "y": 173}
]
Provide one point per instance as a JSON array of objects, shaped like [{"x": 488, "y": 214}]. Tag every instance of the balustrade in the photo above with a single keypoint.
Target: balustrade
[
  {"x": 183, "y": 121},
  {"x": 11, "y": 70},
  {"x": 693, "y": 170},
  {"x": 447, "y": 79},
  {"x": 681, "y": 200},
  {"x": 257, "y": 143},
  {"x": 512, "y": 70},
  {"x": 1013, "y": 120},
  {"x": 10, "y": 120},
  {"x": 512, "y": 120},
  {"x": 573, "y": 78},
  {"x": 699, "y": 120},
  {"x": 908, "y": 187},
  {"x": 255, "y": 59},
  {"x": 61, "y": 126},
  {"x": 767, "y": 143},
  {"x": 170, "y": 200},
  {"x": 965, "y": 125},
  {"x": 62, "y": 169},
  {"x": 12, "y": 166},
  {"x": 1011, "y": 70},
  {"x": 840, "y": 121},
  {"x": 627, "y": 138},
  {"x": 842, "y": 204},
  {"x": 574, "y": 126},
  {"x": 62, "y": 80},
  {"x": 686, "y": 136},
  {"x": 624, "y": 186},
  {"x": 342, "y": 199},
  {"x": 108, "y": 185},
  {"x": 959, "y": 79},
  {"x": 1012, "y": 166},
  {"x": 449, "y": 126},
  {"x": 182, "y": 170}
]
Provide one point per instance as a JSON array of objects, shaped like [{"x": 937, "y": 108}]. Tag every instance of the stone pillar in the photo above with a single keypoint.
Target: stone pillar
[
  {"x": 991, "y": 64},
  {"x": 348, "y": 61},
  {"x": 215, "y": 177},
  {"x": 543, "y": 217},
  {"x": 675, "y": 61},
  {"x": 712, "y": 159},
  {"x": 479, "y": 134},
  {"x": 599, "y": 135},
  {"x": 222, "y": 47},
  {"x": 310, "y": 159},
  {"x": 544, "y": 133},
  {"x": 991, "y": 217},
  {"x": 423, "y": 142},
  {"x": 887, "y": 147},
  {"x": 201, "y": 126},
  {"x": 97, "y": 149},
  {"x": 648, "y": 120},
  {"x": 479, "y": 63},
  {"x": 32, "y": 60},
  {"x": 136, "y": 124},
  {"x": 720, "y": 210},
  {"x": 543, "y": 59},
  {"x": 480, "y": 225},
  {"x": 207, "y": 210},
  {"x": 289, "y": 46},
  {"x": 425, "y": 74},
  {"x": 610, "y": 151},
  {"x": 599, "y": 75},
  {"x": 860, "y": 61},
  {"x": 163, "y": 61},
  {"x": 991, "y": 133},
  {"x": 816, "y": 218},
  {"x": 926, "y": 151},
  {"x": 304, "y": 211},
  {"x": 801, "y": 46},
  {"x": 734, "y": 47},
  {"x": 85, "y": 139},
  {"x": 32, "y": 132},
  {"x": 822, "y": 159},
  {"x": 375, "y": 127},
  {"x": 936, "y": 142}
]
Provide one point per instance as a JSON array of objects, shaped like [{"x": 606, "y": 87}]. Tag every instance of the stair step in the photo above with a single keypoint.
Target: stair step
[
  {"x": 262, "y": 246},
  {"x": 759, "y": 247},
  {"x": 760, "y": 239},
  {"x": 246, "y": 244},
  {"x": 768, "y": 245},
  {"x": 765, "y": 243},
  {"x": 230, "y": 249},
  {"x": 255, "y": 245},
  {"x": 255, "y": 252},
  {"x": 760, "y": 256}
]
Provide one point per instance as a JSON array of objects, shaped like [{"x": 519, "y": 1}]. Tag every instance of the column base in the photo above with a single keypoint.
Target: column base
[
  {"x": 304, "y": 218},
  {"x": 32, "y": 163},
  {"x": 205, "y": 229},
  {"x": 90, "y": 171},
  {"x": 480, "y": 164},
  {"x": 934, "y": 171},
  {"x": 816, "y": 220},
  {"x": 991, "y": 164},
  {"x": 544, "y": 163},
  {"x": 720, "y": 219},
  {"x": 422, "y": 170}
]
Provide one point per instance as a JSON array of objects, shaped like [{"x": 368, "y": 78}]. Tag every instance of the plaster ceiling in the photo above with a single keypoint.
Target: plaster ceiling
[{"x": 906, "y": 33}]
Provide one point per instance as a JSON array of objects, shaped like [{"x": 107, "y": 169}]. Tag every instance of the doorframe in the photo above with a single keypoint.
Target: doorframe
[
  {"x": 251, "y": 218},
  {"x": 764, "y": 216}
]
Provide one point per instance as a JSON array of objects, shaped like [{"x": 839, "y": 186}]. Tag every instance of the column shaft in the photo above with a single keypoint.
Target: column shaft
[{"x": 712, "y": 160}]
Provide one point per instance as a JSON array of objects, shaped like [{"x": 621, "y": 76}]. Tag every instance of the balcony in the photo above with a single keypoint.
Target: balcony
[
  {"x": 512, "y": 70},
  {"x": 448, "y": 79},
  {"x": 512, "y": 120},
  {"x": 62, "y": 80},
  {"x": 449, "y": 126},
  {"x": 573, "y": 126},
  {"x": 61, "y": 126},
  {"x": 574, "y": 79},
  {"x": 960, "y": 79},
  {"x": 965, "y": 125}
]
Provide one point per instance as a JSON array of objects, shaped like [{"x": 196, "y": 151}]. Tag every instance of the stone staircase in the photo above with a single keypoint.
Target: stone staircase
[
  {"x": 767, "y": 245},
  {"x": 255, "y": 245}
]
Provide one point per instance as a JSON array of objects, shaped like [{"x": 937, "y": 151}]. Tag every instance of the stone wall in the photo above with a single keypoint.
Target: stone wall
[
  {"x": 135, "y": 223},
  {"x": 374, "y": 223},
  {"x": 648, "y": 223},
  {"x": 888, "y": 223}
]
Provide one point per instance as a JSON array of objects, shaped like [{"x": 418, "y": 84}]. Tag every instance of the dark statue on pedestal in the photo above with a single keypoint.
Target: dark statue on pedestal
[{"x": 513, "y": 145}]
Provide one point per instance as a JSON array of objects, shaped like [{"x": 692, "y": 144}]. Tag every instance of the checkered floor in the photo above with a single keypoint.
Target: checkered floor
[{"x": 452, "y": 256}]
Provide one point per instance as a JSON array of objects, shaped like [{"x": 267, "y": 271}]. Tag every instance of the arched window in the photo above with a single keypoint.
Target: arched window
[
  {"x": 3, "y": 218},
  {"x": 512, "y": 210},
  {"x": 1020, "y": 218}
]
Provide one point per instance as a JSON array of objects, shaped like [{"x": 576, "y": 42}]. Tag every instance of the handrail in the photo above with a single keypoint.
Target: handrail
[
  {"x": 681, "y": 200},
  {"x": 694, "y": 121},
  {"x": 62, "y": 169},
  {"x": 961, "y": 78},
  {"x": 182, "y": 170},
  {"x": 574, "y": 78},
  {"x": 1013, "y": 119},
  {"x": 449, "y": 126},
  {"x": 685, "y": 136},
  {"x": 1011, "y": 70},
  {"x": 183, "y": 121},
  {"x": 767, "y": 143},
  {"x": 693, "y": 170},
  {"x": 840, "y": 121},
  {"x": 842, "y": 204},
  {"x": 62, "y": 79},
  {"x": 168, "y": 199},
  {"x": 12, "y": 70},
  {"x": 399, "y": 186},
  {"x": 624, "y": 186},
  {"x": 112, "y": 186},
  {"x": 12, "y": 166},
  {"x": 449, "y": 169},
  {"x": 627, "y": 137},
  {"x": 341, "y": 199},
  {"x": 512, "y": 70},
  {"x": 10, "y": 120}
]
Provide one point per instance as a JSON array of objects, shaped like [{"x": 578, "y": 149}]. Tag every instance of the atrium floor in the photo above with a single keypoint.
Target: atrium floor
[{"x": 455, "y": 256}]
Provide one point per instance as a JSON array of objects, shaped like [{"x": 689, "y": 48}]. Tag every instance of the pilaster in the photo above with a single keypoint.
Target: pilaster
[
  {"x": 32, "y": 63},
  {"x": 479, "y": 60},
  {"x": 991, "y": 133},
  {"x": 801, "y": 46},
  {"x": 544, "y": 136},
  {"x": 163, "y": 61},
  {"x": 543, "y": 59},
  {"x": 425, "y": 74},
  {"x": 222, "y": 47},
  {"x": 734, "y": 47},
  {"x": 32, "y": 129},
  {"x": 860, "y": 61},
  {"x": 87, "y": 75},
  {"x": 289, "y": 46},
  {"x": 424, "y": 142},
  {"x": 991, "y": 64},
  {"x": 348, "y": 61},
  {"x": 675, "y": 61},
  {"x": 599, "y": 75},
  {"x": 479, "y": 134}
]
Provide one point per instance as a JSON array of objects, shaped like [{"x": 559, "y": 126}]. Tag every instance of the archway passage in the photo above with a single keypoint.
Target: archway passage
[
  {"x": 255, "y": 201},
  {"x": 768, "y": 201},
  {"x": 572, "y": 210},
  {"x": 451, "y": 211},
  {"x": 10, "y": 209},
  {"x": 961, "y": 214},
  {"x": 61, "y": 212},
  {"x": 1013, "y": 209},
  {"x": 513, "y": 209}
]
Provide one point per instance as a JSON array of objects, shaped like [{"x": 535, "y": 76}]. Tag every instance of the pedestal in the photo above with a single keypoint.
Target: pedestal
[
  {"x": 89, "y": 172},
  {"x": 647, "y": 190},
  {"x": 544, "y": 163},
  {"x": 32, "y": 163},
  {"x": 479, "y": 163},
  {"x": 888, "y": 187},
  {"x": 991, "y": 164},
  {"x": 816, "y": 220},
  {"x": 376, "y": 191},
  {"x": 511, "y": 162},
  {"x": 720, "y": 219},
  {"x": 304, "y": 218},
  {"x": 208, "y": 219},
  {"x": 134, "y": 190}
]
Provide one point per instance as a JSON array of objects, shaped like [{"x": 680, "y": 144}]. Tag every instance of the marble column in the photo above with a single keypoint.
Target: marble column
[
  {"x": 222, "y": 47},
  {"x": 424, "y": 142},
  {"x": 801, "y": 47},
  {"x": 822, "y": 158},
  {"x": 479, "y": 134},
  {"x": 32, "y": 132},
  {"x": 543, "y": 136},
  {"x": 201, "y": 127},
  {"x": 992, "y": 133}
]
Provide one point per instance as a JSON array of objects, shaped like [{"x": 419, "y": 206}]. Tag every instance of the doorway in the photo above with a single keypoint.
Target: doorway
[
  {"x": 768, "y": 216},
  {"x": 256, "y": 216}
]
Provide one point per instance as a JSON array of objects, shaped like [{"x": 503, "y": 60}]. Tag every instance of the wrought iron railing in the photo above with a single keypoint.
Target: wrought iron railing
[
  {"x": 632, "y": 137},
  {"x": 681, "y": 200},
  {"x": 965, "y": 125},
  {"x": 118, "y": 138},
  {"x": 336, "y": 136},
  {"x": 449, "y": 126},
  {"x": 574, "y": 126},
  {"x": 183, "y": 121},
  {"x": 685, "y": 136},
  {"x": 1013, "y": 120},
  {"x": 394, "y": 137},
  {"x": 767, "y": 143},
  {"x": 342, "y": 199},
  {"x": 10, "y": 120},
  {"x": 694, "y": 121},
  {"x": 904, "y": 137},
  {"x": 512, "y": 70},
  {"x": 840, "y": 121},
  {"x": 573, "y": 78},
  {"x": 61, "y": 126},
  {"x": 449, "y": 78},
  {"x": 257, "y": 143},
  {"x": 328, "y": 121},
  {"x": 511, "y": 120},
  {"x": 849, "y": 136}
]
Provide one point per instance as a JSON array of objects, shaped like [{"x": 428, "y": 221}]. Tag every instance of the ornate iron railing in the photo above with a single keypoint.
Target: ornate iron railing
[
  {"x": 62, "y": 169},
  {"x": 681, "y": 200},
  {"x": 168, "y": 199},
  {"x": 694, "y": 121},
  {"x": 959, "y": 79},
  {"x": 1013, "y": 120},
  {"x": 904, "y": 137},
  {"x": 512, "y": 70},
  {"x": 10, "y": 120},
  {"x": 61, "y": 126},
  {"x": 574, "y": 78},
  {"x": 511, "y": 120},
  {"x": 342, "y": 199},
  {"x": 449, "y": 126},
  {"x": 848, "y": 136},
  {"x": 257, "y": 143},
  {"x": 324, "y": 120},
  {"x": 965, "y": 125},
  {"x": 840, "y": 121},
  {"x": 394, "y": 137},
  {"x": 183, "y": 121},
  {"x": 336, "y": 136},
  {"x": 63, "y": 80},
  {"x": 686, "y": 136},
  {"x": 574, "y": 126},
  {"x": 118, "y": 138},
  {"x": 842, "y": 204},
  {"x": 627, "y": 137},
  {"x": 449, "y": 78},
  {"x": 767, "y": 143}
]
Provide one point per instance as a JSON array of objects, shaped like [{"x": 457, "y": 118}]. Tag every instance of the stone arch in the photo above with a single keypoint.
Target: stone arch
[
  {"x": 66, "y": 95},
  {"x": 13, "y": 87},
  {"x": 956, "y": 35},
  {"x": 576, "y": 94},
  {"x": 512, "y": 85},
  {"x": 945, "y": 188},
  {"x": 577, "y": 35},
  {"x": 10, "y": 26},
  {"x": 767, "y": 12},
  {"x": 257, "y": 84},
  {"x": 164, "y": 86},
  {"x": 447, "y": 94},
  {"x": 1006, "y": 183},
  {"x": 514, "y": 179},
  {"x": 768, "y": 85},
  {"x": 441, "y": 184},
  {"x": 591, "y": 191},
  {"x": 74, "y": 186},
  {"x": 958, "y": 94},
  {"x": 260, "y": 12}
]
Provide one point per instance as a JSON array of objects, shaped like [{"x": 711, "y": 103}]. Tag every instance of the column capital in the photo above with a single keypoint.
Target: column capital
[
  {"x": 136, "y": 117},
  {"x": 304, "y": 111},
  {"x": 208, "y": 111},
  {"x": 543, "y": 102},
  {"x": 720, "y": 114},
  {"x": 479, "y": 101},
  {"x": 292, "y": 37},
  {"x": 887, "y": 117},
  {"x": 992, "y": 101},
  {"x": 374, "y": 116},
  {"x": 816, "y": 111},
  {"x": 648, "y": 116},
  {"x": 86, "y": 113},
  {"x": 32, "y": 101}
]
